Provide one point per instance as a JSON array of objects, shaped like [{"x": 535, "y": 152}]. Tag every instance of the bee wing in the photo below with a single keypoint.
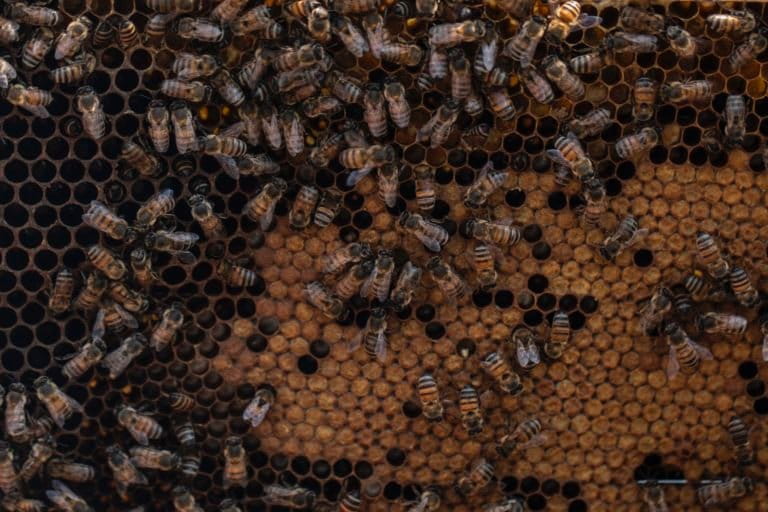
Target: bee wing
[
  {"x": 489, "y": 51},
  {"x": 430, "y": 243},
  {"x": 637, "y": 236},
  {"x": 703, "y": 352},
  {"x": 233, "y": 130},
  {"x": 557, "y": 157},
  {"x": 702, "y": 45},
  {"x": 37, "y": 110},
  {"x": 139, "y": 436},
  {"x": 533, "y": 353},
  {"x": 365, "y": 289},
  {"x": 98, "y": 330},
  {"x": 381, "y": 347},
  {"x": 185, "y": 257},
  {"x": 522, "y": 354},
  {"x": 534, "y": 441},
  {"x": 355, "y": 176},
  {"x": 229, "y": 165},
  {"x": 765, "y": 348},
  {"x": 586, "y": 21},
  {"x": 673, "y": 365},
  {"x": 355, "y": 342},
  {"x": 128, "y": 319},
  {"x": 527, "y": 57},
  {"x": 266, "y": 219}
]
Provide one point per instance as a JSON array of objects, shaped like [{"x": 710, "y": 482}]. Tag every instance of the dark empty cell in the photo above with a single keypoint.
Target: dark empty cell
[
  {"x": 611, "y": 133},
  {"x": 686, "y": 116},
  {"x": 525, "y": 300},
  {"x": 537, "y": 502},
  {"x": 396, "y": 457},
  {"x": 665, "y": 114},
  {"x": 342, "y": 218},
  {"x": 126, "y": 80},
  {"x": 17, "y": 259},
  {"x": 533, "y": 146},
  {"x": 6, "y": 237},
  {"x": 504, "y": 299},
  {"x": 532, "y": 233},
  {"x": 445, "y": 176},
  {"x": 755, "y": 162},
  {"x": 48, "y": 332},
  {"x": 86, "y": 192},
  {"x": 435, "y": 330},
  {"x": 408, "y": 190},
  {"x": 464, "y": 177},
  {"x": 533, "y": 317},
  {"x": 546, "y": 301},
  {"x": 718, "y": 159},
  {"x": 588, "y": 304},
  {"x": 30, "y": 148},
  {"x": 6, "y": 193},
  {"x": 691, "y": 135},
  {"x": 321, "y": 469},
  {"x": 202, "y": 271},
  {"x": 441, "y": 209},
  {"x": 537, "y": 283},
  {"x": 748, "y": 370},
  {"x": 613, "y": 187},
  {"x": 411, "y": 409},
  {"x": 348, "y": 234},
  {"x": 354, "y": 200},
  {"x": 643, "y": 258},
  {"x": 6, "y": 146},
  {"x": 319, "y": 348},
  {"x": 30, "y": 193},
  {"x": 15, "y": 127},
  {"x": 625, "y": 170},
  {"x": 678, "y": 155},
  {"x": 557, "y": 200},
  {"x": 425, "y": 312},
  {"x": 12, "y": 360},
  {"x": 550, "y": 487},
  {"x": 526, "y": 125},
  {"x": 342, "y": 468},
  {"x": 15, "y": 215},
  {"x": 112, "y": 58},
  {"x": 73, "y": 257},
  {"x": 113, "y": 104},
  {"x": 577, "y": 320},
  {"x": 30, "y": 238},
  {"x": 515, "y": 198},
  {"x": 16, "y": 171},
  {"x": 38, "y": 358},
  {"x": 393, "y": 491},
  {"x": 57, "y": 193},
  {"x": 71, "y": 215},
  {"x": 269, "y": 325},
  {"x": 756, "y": 388},
  {"x": 174, "y": 275},
  {"x": 21, "y": 336},
  {"x": 481, "y": 298},
  {"x": 246, "y": 308},
  {"x": 307, "y": 364},
  {"x": 610, "y": 75},
  {"x": 577, "y": 506},
  {"x": 529, "y": 485},
  {"x": 571, "y": 489},
  {"x": 7, "y": 281},
  {"x": 541, "y": 251},
  {"x": 362, "y": 220},
  {"x": 414, "y": 154}
]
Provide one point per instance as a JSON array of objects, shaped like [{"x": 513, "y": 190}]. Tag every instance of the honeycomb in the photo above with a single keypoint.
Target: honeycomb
[{"x": 610, "y": 414}]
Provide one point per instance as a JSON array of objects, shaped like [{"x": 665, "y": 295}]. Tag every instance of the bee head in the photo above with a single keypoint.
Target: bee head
[{"x": 44, "y": 385}]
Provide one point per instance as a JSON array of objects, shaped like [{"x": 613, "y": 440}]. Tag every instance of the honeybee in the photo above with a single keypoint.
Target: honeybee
[
  {"x": 9, "y": 31},
  {"x": 184, "y": 501},
  {"x": 374, "y": 114},
  {"x": 735, "y": 120},
  {"x": 745, "y": 293},
  {"x": 118, "y": 319},
  {"x": 127, "y": 35},
  {"x": 189, "y": 66},
  {"x": 461, "y": 76},
  {"x": 59, "y": 405},
  {"x": 229, "y": 505},
  {"x": 159, "y": 204},
  {"x": 721, "y": 323},
  {"x": 682, "y": 350},
  {"x": 227, "y": 10},
  {"x": 235, "y": 275},
  {"x": 501, "y": 103},
  {"x": 405, "y": 286},
  {"x": 526, "y": 349},
  {"x": 514, "y": 504},
  {"x": 100, "y": 217},
  {"x": 15, "y": 502},
  {"x": 351, "y": 282},
  {"x": 153, "y": 458},
  {"x": 193, "y": 91},
  {"x": 739, "y": 433},
  {"x": 654, "y": 311},
  {"x": 61, "y": 295},
  {"x": 174, "y": 6},
  {"x": 256, "y": 410},
  {"x": 166, "y": 331},
  {"x": 345, "y": 88},
  {"x": 351, "y": 36},
  {"x": 471, "y": 413},
  {"x": 289, "y": 497},
  {"x": 424, "y": 180},
  {"x": 397, "y": 104},
  {"x": 627, "y": 42},
  {"x": 118, "y": 360},
  {"x": 485, "y": 266},
  {"x": 591, "y": 62},
  {"x": 63, "y": 469},
  {"x": 220, "y": 145},
  {"x": 177, "y": 243},
  {"x": 227, "y": 88},
  {"x": 641, "y": 20},
  {"x": 446, "y": 278},
  {"x": 569, "y": 153},
  {"x": 180, "y": 401},
  {"x": 437, "y": 63},
  {"x": 184, "y": 432},
  {"x": 523, "y": 44},
  {"x": 748, "y": 51},
  {"x": 200, "y": 29},
  {"x": 270, "y": 127},
  {"x": 105, "y": 261},
  {"x": 141, "y": 264},
  {"x": 321, "y": 106},
  {"x": 428, "y": 501},
  {"x": 293, "y": 132},
  {"x": 16, "y": 414},
  {"x": 567, "y": 18},
  {"x": 319, "y": 24},
  {"x": 256, "y": 19},
  {"x": 627, "y": 234},
  {"x": 591, "y": 124},
  {"x": 30, "y": 98},
  {"x": 137, "y": 158},
  {"x": 328, "y": 147},
  {"x": 644, "y": 96},
  {"x": 559, "y": 334},
  {"x": 378, "y": 283},
  {"x": 66, "y": 499},
  {"x": 158, "y": 121},
  {"x": 34, "y": 51},
  {"x": 451, "y": 34},
  {"x": 498, "y": 233},
  {"x": 734, "y": 22},
  {"x": 634, "y": 144},
  {"x": 686, "y": 92},
  {"x": 141, "y": 427},
  {"x": 429, "y": 396},
  {"x": 388, "y": 178},
  {"x": 480, "y": 475},
  {"x": 501, "y": 372},
  {"x": 432, "y": 235},
  {"x": 439, "y": 127},
  {"x": 9, "y": 480},
  {"x": 202, "y": 211},
  {"x": 69, "y": 42},
  {"x": 364, "y": 160},
  {"x": 235, "y": 470},
  {"x": 537, "y": 85},
  {"x": 487, "y": 52},
  {"x": 526, "y": 433},
  {"x": 350, "y": 501},
  {"x": 376, "y": 33},
  {"x": 373, "y": 336},
  {"x": 303, "y": 206},
  {"x": 684, "y": 44},
  {"x": 350, "y": 253},
  {"x": 41, "y": 451},
  {"x": 711, "y": 257},
  {"x": 558, "y": 73},
  {"x": 328, "y": 304},
  {"x": 401, "y": 53},
  {"x": 327, "y": 208},
  {"x": 130, "y": 300},
  {"x": 154, "y": 30},
  {"x": 723, "y": 492},
  {"x": 88, "y": 355},
  {"x": 262, "y": 207}
]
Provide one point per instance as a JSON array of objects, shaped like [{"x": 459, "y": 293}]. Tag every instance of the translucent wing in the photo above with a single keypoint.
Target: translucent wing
[
  {"x": 765, "y": 348},
  {"x": 97, "y": 332},
  {"x": 233, "y": 130},
  {"x": 355, "y": 176},
  {"x": 266, "y": 219},
  {"x": 384, "y": 291},
  {"x": 255, "y": 413},
  {"x": 673, "y": 366},
  {"x": 637, "y": 236},
  {"x": 703, "y": 352},
  {"x": 488, "y": 51},
  {"x": 534, "y": 441},
  {"x": 185, "y": 257},
  {"x": 229, "y": 165},
  {"x": 533, "y": 353},
  {"x": 127, "y": 318},
  {"x": 365, "y": 289},
  {"x": 381, "y": 347},
  {"x": 38, "y": 110},
  {"x": 522, "y": 354},
  {"x": 527, "y": 57},
  {"x": 139, "y": 436},
  {"x": 557, "y": 157},
  {"x": 355, "y": 342},
  {"x": 430, "y": 243},
  {"x": 586, "y": 21}
]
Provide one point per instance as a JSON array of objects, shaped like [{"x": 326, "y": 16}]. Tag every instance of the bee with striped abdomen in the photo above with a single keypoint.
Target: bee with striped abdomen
[
  {"x": 105, "y": 261},
  {"x": 158, "y": 125},
  {"x": 179, "y": 401},
  {"x": 401, "y": 53},
  {"x": 637, "y": 143},
  {"x": 227, "y": 10},
  {"x": 373, "y": 336},
  {"x": 166, "y": 331},
  {"x": 15, "y": 413},
  {"x": 690, "y": 91},
  {"x": 235, "y": 470},
  {"x": 682, "y": 350},
  {"x": 559, "y": 334},
  {"x": 429, "y": 396},
  {"x": 644, "y": 98},
  {"x": 127, "y": 35},
  {"x": 424, "y": 181},
  {"x": 526, "y": 433},
  {"x": 88, "y": 355},
  {"x": 256, "y": 19},
  {"x": 657, "y": 307},
  {"x": 733, "y": 22},
  {"x": 321, "y": 106},
  {"x": 289, "y": 497},
  {"x": 76, "y": 71},
  {"x": 487, "y": 182},
  {"x": 537, "y": 85},
  {"x": 405, "y": 286},
  {"x": 742, "y": 288},
  {"x": 189, "y": 66},
  {"x": 720, "y": 493},
  {"x": 141, "y": 264},
  {"x": 397, "y": 103},
  {"x": 350, "y": 283},
  {"x": 351, "y": 36},
  {"x": 235, "y": 275},
  {"x": 118, "y": 360},
  {"x": 61, "y": 294},
  {"x": 641, "y": 20},
  {"x": 487, "y": 52},
  {"x": 446, "y": 278},
  {"x": 327, "y": 208},
  {"x": 184, "y": 432},
  {"x": 569, "y": 152},
  {"x": 153, "y": 458},
  {"x": 117, "y": 319},
  {"x": 172, "y": 6},
  {"x": 330, "y": 305},
  {"x": 154, "y": 30},
  {"x": 36, "y": 48},
  {"x": 388, "y": 180},
  {"x": 137, "y": 158},
  {"x": 200, "y": 29},
  {"x": 202, "y": 212},
  {"x": 161, "y": 203},
  {"x": 628, "y": 42},
  {"x": 591, "y": 62},
  {"x": 130, "y": 300},
  {"x": 350, "y": 253},
  {"x": 559, "y": 74},
  {"x": 59, "y": 405},
  {"x": 183, "y": 128},
  {"x": 501, "y": 103},
  {"x": 222, "y": 145},
  {"x": 594, "y": 194},
  {"x": 229, "y": 505},
  {"x": 69, "y": 42},
  {"x": 35, "y": 15},
  {"x": 293, "y": 132},
  {"x": 428, "y": 501},
  {"x": 480, "y": 475},
  {"x": 375, "y": 111},
  {"x": 32, "y": 99},
  {"x": 501, "y": 372},
  {"x": 451, "y": 34},
  {"x": 100, "y": 217},
  {"x": 627, "y": 233},
  {"x": 124, "y": 471},
  {"x": 15, "y": 502},
  {"x": 433, "y": 236},
  {"x": 710, "y": 256},
  {"x": 94, "y": 121},
  {"x": 303, "y": 207},
  {"x": 193, "y": 91},
  {"x": 567, "y": 17},
  {"x": 64, "y": 469},
  {"x": 470, "y": 411},
  {"x": 364, "y": 160},
  {"x": 523, "y": 44},
  {"x": 739, "y": 434},
  {"x": 524, "y": 343},
  {"x": 66, "y": 499},
  {"x": 141, "y": 426},
  {"x": 256, "y": 410},
  {"x": 721, "y": 323},
  {"x": 378, "y": 283},
  {"x": 513, "y": 504},
  {"x": 461, "y": 74},
  {"x": 653, "y": 496},
  {"x": 499, "y": 233},
  {"x": 485, "y": 266},
  {"x": 748, "y": 51},
  {"x": 591, "y": 124},
  {"x": 262, "y": 207},
  {"x": 41, "y": 451},
  {"x": 9, "y": 479},
  {"x": 228, "y": 88},
  {"x": 176, "y": 243},
  {"x": 735, "y": 120},
  {"x": 184, "y": 501},
  {"x": 440, "y": 126},
  {"x": 684, "y": 44}
]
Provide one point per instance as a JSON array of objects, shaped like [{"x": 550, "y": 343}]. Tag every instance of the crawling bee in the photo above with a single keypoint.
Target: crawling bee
[
  {"x": 63, "y": 469},
  {"x": 41, "y": 451},
  {"x": 428, "y": 501},
  {"x": 124, "y": 470},
  {"x": 501, "y": 372},
  {"x": 35, "y": 49},
  {"x": 351, "y": 282},
  {"x": 401, "y": 53},
  {"x": 127, "y": 35},
  {"x": 100, "y": 217},
  {"x": 137, "y": 158},
  {"x": 289, "y": 497},
  {"x": 591, "y": 62},
  {"x": 94, "y": 121},
  {"x": 446, "y": 278},
  {"x": 627, "y": 234},
  {"x": 303, "y": 207},
  {"x": 653, "y": 496},
  {"x": 235, "y": 275},
  {"x": 200, "y": 29},
  {"x": 105, "y": 261},
  {"x": 189, "y": 66},
  {"x": 202, "y": 212},
  {"x": 487, "y": 182},
  {"x": 734, "y": 22},
  {"x": 710, "y": 256},
  {"x": 653, "y": 312},
  {"x": 350, "y": 253},
  {"x": 690, "y": 91},
  {"x": 526, "y": 349},
  {"x": 684, "y": 44},
  {"x": 637, "y": 143},
  {"x": 641, "y": 20},
  {"x": 374, "y": 114},
  {"x": 644, "y": 98},
  {"x": 378, "y": 283},
  {"x": 567, "y": 18},
  {"x": 724, "y": 492},
  {"x": 256, "y": 410},
  {"x": 9, "y": 31},
  {"x": 327, "y": 208},
  {"x": 221, "y": 145},
  {"x": 526, "y": 433},
  {"x": 682, "y": 350},
  {"x": 739, "y": 434},
  {"x": 364, "y": 160},
  {"x": 497, "y": 233},
  {"x": 61, "y": 295},
  {"x": 480, "y": 475},
  {"x": 66, "y": 499},
  {"x": 537, "y": 85},
  {"x": 568, "y": 152},
  {"x": 257, "y": 19},
  {"x": 60, "y": 406},
  {"x": 293, "y": 132},
  {"x": 559, "y": 334},
  {"x": 88, "y": 355},
  {"x": 16, "y": 414},
  {"x": 591, "y": 124},
  {"x": 154, "y": 30},
  {"x": 328, "y": 304},
  {"x": 487, "y": 52},
  {"x": 193, "y": 91},
  {"x": 166, "y": 331},
  {"x": 180, "y": 401},
  {"x": 228, "y": 88},
  {"x": 321, "y": 106},
  {"x": 405, "y": 286},
  {"x": 183, "y": 127},
  {"x": 158, "y": 121},
  {"x": 627, "y": 42},
  {"x": 184, "y": 432},
  {"x": 303, "y": 56},
  {"x": 561, "y": 76},
  {"x": 118, "y": 360},
  {"x": 75, "y": 72},
  {"x": 173, "y": 242},
  {"x": 388, "y": 179},
  {"x": 432, "y": 235},
  {"x": 141, "y": 427},
  {"x": 439, "y": 127},
  {"x": 397, "y": 104},
  {"x": 141, "y": 264},
  {"x": 461, "y": 74},
  {"x": 721, "y": 323},
  {"x": 373, "y": 336},
  {"x": 735, "y": 120},
  {"x": 9, "y": 479},
  {"x": 523, "y": 45},
  {"x": 184, "y": 501},
  {"x": 485, "y": 266},
  {"x": 129, "y": 299},
  {"x": 262, "y": 207},
  {"x": 742, "y": 288},
  {"x": 15, "y": 502},
  {"x": 235, "y": 470},
  {"x": 351, "y": 36},
  {"x": 451, "y": 34},
  {"x": 376, "y": 33},
  {"x": 429, "y": 396},
  {"x": 30, "y": 98},
  {"x": 748, "y": 51},
  {"x": 117, "y": 319},
  {"x": 90, "y": 295},
  {"x": 354, "y": 6},
  {"x": 501, "y": 103},
  {"x": 69, "y": 42},
  {"x": 153, "y": 458},
  {"x": 513, "y": 504},
  {"x": 471, "y": 413}
]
